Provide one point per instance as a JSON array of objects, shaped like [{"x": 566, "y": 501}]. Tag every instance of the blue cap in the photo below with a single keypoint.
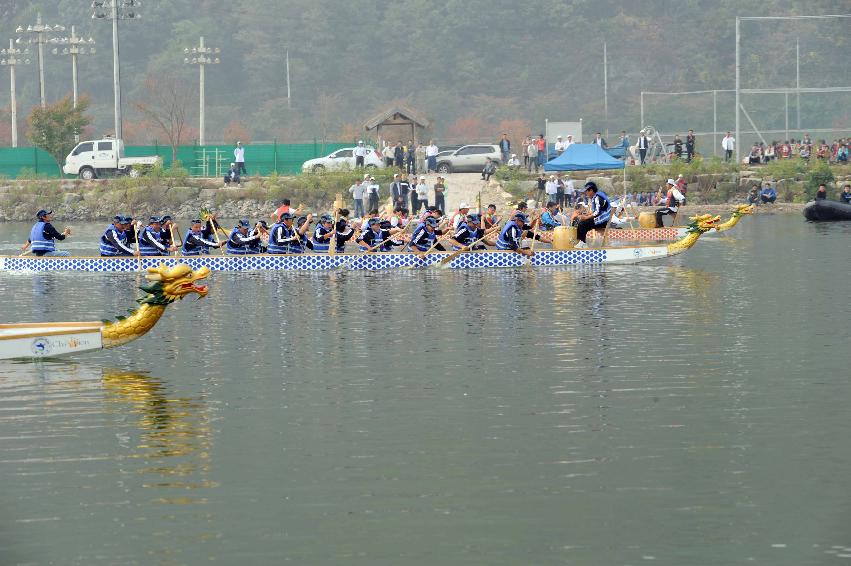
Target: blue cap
[
  {"x": 431, "y": 221},
  {"x": 473, "y": 218},
  {"x": 591, "y": 185},
  {"x": 156, "y": 220},
  {"x": 263, "y": 223},
  {"x": 165, "y": 218},
  {"x": 326, "y": 218},
  {"x": 244, "y": 223},
  {"x": 197, "y": 221},
  {"x": 287, "y": 216},
  {"x": 374, "y": 221},
  {"x": 522, "y": 217},
  {"x": 41, "y": 213}
]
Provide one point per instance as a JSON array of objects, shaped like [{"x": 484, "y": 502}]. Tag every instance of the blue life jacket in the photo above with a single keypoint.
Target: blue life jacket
[
  {"x": 145, "y": 248},
  {"x": 548, "y": 222},
  {"x": 285, "y": 248},
  {"x": 376, "y": 240},
  {"x": 238, "y": 248},
  {"x": 321, "y": 245},
  {"x": 38, "y": 240},
  {"x": 509, "y": 237},
  {"x": 605, "y": 210},
  {"x": 106, "y": 248},
  {"x": 194, "y": 249},
  {"x": 419, "y": 242}
]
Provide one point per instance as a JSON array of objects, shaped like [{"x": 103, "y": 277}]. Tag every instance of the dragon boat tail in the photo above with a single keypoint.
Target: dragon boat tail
[{"x": 40, "y": 340}]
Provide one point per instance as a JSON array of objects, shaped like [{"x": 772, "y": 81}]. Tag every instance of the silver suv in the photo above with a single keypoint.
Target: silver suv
[{"x": 469, "y": 158}]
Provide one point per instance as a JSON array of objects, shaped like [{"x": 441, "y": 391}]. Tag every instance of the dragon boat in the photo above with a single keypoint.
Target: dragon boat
[
  {"x": 672, "y": 233},
  {"x": 372, "y": 261},
  {"x": 47, "y": 340}
]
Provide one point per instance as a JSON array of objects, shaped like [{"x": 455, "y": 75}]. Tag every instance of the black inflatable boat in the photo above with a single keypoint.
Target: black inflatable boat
[{"x": 827, "y": 211}]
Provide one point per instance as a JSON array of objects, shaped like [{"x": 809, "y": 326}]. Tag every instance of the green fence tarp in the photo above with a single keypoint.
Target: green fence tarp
[{"x": 200, "y": 161}]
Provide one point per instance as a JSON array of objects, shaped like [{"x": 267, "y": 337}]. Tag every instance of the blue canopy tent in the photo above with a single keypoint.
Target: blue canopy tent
[{"x": 583, "y": 157}]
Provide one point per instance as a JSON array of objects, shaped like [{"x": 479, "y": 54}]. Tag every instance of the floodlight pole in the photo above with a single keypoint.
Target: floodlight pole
[
  {"x": 714, "y": 122},
  {"x": 798, "y": 78},
  {"x": 641, "y": 125},
  {"x": 605, "y": 90},
  {"x": 737, "y": 141}
]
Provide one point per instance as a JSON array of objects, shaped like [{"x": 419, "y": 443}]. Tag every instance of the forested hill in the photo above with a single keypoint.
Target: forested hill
[{"x": 471, "y": 66}]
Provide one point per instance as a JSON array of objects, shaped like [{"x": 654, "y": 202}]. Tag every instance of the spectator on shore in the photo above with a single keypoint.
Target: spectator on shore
[
  {"x": 541, "y": 192},
  {"x": 239, "y": 158},
  {"x": 411, "y": 158},
  {"x": 728, "y": 144},
  {"x": 805, "y": 152},
  {"x": 399, "y": 156},
  {"x": 358, "y": 191},
  {"x": 845, "y": 196},
  {"x": 559, "y": 190},
  {"x": 387, "y": 154},
  {"x": 232, "y": 176},
  {"x": 527, "y": 141},
  {"x": 786, "y": 150},
  {"x": 569, "y": 141},
  {"x": 821, "y": 193},
  {"x": 431, "y": 156},
  {"x": 440, "y": 193},
  {"x": 505, "y": 147},
  {"x": 754, "y": 158},
  {"x": 753, "y": 195},
  {"x": 624, "y": 140},
  {"x": 768, "y": 195},
  {"x": 360, "y": 154},
  {"x": 422, "y": 193},
  {"x": 531, "y": 156},
  {"x": 372, "y": 191},
  {"x": 842, "y": 154},
  {"x": 770, "y": 152},
  {"x": 541, "y": 144},
  {"x": 643, "y": 146},
  {"x": 489, "y": 170},
  {"x": 399, "y": 198},
  {"x": 559, "y": 146},
  {"x": 690, "y": 143},
  {"x": 551, "y": 190},
  {"x": 513, "y": 162},
  {"x": 599, "y": 141},
  {"x": 678, "y": 146},
  {"x": 571, "y": 193}
]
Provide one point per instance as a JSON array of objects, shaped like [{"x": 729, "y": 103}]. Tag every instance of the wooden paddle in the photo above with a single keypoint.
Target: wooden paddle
[
  {"x": 138, "y": 252},
  {"x": 216, "y": 234},
  {"x": 173, "y": 239}
]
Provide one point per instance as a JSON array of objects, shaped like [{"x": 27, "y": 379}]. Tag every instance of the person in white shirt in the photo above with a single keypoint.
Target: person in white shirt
[
  {"x": 513, "y": 162},
  {"x": 239, "y": 158},
  {"x": 559, "y": 146},
  {"x": 360, "y": 154},
  {"x": 431, "y": 152},
  {"x": 458, "y": 217},
  {"x": 387, "y": 152},
  {"x": 422, "y": 193},
  {"x": 728, "y": 144},
  {"x": 598, "y": 139},
  {"x": 570, "y": 195},
  {"x": 551, "y": 188},
  {"x": 673, "y": 199},
  {"x": 358, "y": 191},
  {"x": 569, "y": 142}
]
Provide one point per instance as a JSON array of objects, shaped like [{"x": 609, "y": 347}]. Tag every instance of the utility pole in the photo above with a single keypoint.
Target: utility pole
[
  {"x": 289, "y": 97},
  {"x": 11, "y": 60},
  {"x": 738, "y": 140},
  {"x": 201, "y": 57},
  {"x": 798, "y": 79},
  {"x": 116, "y": 10},
  {"x": 75, "y": 46},
  {"x": 38, "y": 34},
  {"x": 605, "y": 90}
]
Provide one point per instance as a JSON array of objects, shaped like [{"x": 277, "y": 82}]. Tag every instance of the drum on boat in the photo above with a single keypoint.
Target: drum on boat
[{"x": 564, "y": 237}]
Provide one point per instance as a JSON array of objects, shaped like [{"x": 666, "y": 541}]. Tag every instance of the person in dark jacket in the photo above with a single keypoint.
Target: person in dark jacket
[{"x": 399, "y": 156}]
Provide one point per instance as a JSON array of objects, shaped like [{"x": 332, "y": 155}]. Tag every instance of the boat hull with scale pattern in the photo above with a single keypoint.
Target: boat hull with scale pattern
[{"x": 354, "y": 261}]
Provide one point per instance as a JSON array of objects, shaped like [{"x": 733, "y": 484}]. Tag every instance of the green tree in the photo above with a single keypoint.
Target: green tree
[{"x": 54, "y": 127}]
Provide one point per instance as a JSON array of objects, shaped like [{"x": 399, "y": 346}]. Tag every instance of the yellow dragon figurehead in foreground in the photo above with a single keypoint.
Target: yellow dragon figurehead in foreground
[
  {"x": 163, "y": 288},
  {"x": 737, "y": 215},
  {"x": 699, "y": 225}
]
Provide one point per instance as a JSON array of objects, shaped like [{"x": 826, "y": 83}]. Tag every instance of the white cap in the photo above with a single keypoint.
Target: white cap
[
  {"x": 395, "y": 174},
  {"x": 366, "y": 176},
  {"x": 422, "y": 178},
  {"x": 463, "y": 205},
  {"x": 360, "y": 142},
  {"x": 671, "y": 182},
  {"x": 558, "y": 137},
  {"x": 513, "y": 155},
  {"x": 680, "y": 176}
]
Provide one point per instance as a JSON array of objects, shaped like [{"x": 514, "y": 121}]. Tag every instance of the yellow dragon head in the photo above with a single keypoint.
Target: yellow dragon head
[
  {"x": 168, "y": 285},
  {"x": 703, "y": 223},
  {"x": 743, "y": 209}
]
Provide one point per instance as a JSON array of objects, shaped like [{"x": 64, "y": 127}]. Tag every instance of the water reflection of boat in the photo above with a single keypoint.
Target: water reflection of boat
[
  {"x": 51, "y": 339},
  {"x": 174, "y": 435},
  {"x": 372, "y": 261}
]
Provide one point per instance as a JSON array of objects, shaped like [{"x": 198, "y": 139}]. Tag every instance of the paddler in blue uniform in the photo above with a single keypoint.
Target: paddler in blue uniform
[
  {"x": 151, "y": 239},
  {"x": 43, "y": 234},
  {"x": 469, "y": 231},
  {"x": 374, "y": 237},
  {"x": 118, "y": 238},
  {"x": 199, "y": 239},
  {"x": 283, "y": 238},
  {"x": 425, "y": 236},
  {"x": 169, "y": 229},
  {"x": 323, "y": 233},
  {"x": 345, "y": 231},
  {"x": 240, "y": 242},
  {"x": 601, "y": 211},
  {"x": 511, "y": 236}
]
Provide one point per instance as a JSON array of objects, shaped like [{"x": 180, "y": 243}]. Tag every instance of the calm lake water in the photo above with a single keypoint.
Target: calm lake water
[{"x": 689, "y": 412}]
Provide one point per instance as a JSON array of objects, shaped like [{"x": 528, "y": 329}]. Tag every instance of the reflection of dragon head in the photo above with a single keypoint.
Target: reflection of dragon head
[
  {"x": 168, "y": 285},
  {"x": 703, "y": 223}
]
